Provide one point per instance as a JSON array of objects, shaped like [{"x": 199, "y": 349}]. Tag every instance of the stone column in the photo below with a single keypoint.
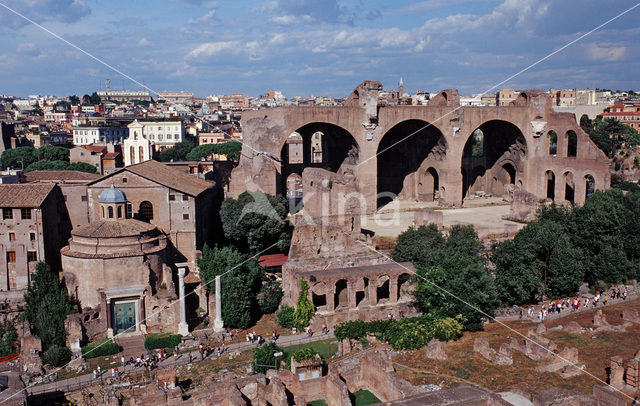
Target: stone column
[
  {"x": 218, "y": 324},
  {"x": 183, "y": 327},
  {"x": 109, "y": 319},
  {"x": 142, "y": 325}
]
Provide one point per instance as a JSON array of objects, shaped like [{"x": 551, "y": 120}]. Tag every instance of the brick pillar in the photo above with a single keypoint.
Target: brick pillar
[
  {"x": 580, "y": 190},
  {"x": 109, "y": 319},
  {"x": 393, "y": 290},
  {"x": 351, "y": 295},
  {"x": 373, "y": 293},
  {"x": 633, "y": 373}
]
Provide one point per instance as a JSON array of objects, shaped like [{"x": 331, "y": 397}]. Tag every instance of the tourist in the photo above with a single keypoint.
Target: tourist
[
  {"x": 122, "y": 361},
  {"x": 624, "y": 293},
  {"x": 586, "y": 303},
  {"x": 201, "y": 353},
  {"x": 95, "y": 374},
  {"x": 113, "y": 372},
  {"x": 605, "y": 299}
]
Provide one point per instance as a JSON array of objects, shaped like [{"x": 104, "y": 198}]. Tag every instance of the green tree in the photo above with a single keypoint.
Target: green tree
[
  {"x": 74, "y": 100},
  {"x": 241, "y": 281},
  {"x": 94, "y": 98},
  {"x": 304, "y": 308},
  {"x": 230, "y": 149},
  {"x": 52, "y": 153},
  {"x": 47, "y": 305},
  {"x": 611, "y": 135},
  {"x": 450, "y": 272},
  {"x": 264, "y": 357},
  {"x": 177, "y": 153},
  {"x": 17, "y": 158},
  {"x": 82, "y": 167},
  {"x": 7, "y": 337},
  {"x": 255, "y": 221},
  {"x": 269, "y": 297}
]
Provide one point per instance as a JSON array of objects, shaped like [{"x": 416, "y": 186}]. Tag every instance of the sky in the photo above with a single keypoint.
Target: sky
[{"x": 316, "y": 47}]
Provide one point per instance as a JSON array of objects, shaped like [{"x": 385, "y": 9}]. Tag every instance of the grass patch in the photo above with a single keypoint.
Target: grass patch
[
  {"x": 317, "y": 403},
  {"x": 364, "y": 397},
  {"x": 326, "y": 348}
]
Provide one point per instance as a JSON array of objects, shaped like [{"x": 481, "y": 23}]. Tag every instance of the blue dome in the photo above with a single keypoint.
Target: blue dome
[{"x": 112, "y": 195}]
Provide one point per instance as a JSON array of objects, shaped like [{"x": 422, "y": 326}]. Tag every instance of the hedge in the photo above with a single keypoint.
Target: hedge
[
  {"x": 405, "y": 334},
  {"x": 285, "y": 317},
  {"x": 162, "y": 341},
  {"x": 100, "y": 349}
]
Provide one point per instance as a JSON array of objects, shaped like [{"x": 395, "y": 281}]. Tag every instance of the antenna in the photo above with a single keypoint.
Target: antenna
[{"x": 107, "y": 85}]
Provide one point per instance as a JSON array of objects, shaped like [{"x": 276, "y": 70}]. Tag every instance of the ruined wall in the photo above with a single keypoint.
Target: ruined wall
[{"x": 266, "y": 131}]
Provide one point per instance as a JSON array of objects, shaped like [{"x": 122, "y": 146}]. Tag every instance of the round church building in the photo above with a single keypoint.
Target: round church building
[{"x": 114, "y": 265}]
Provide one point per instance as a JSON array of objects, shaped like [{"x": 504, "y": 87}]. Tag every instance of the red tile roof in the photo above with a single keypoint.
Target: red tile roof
[
  {"x": 94, "y": 148},
  {"x": 111, "y": 155},
  {"x": 62, "y": 176},
  {"x": 24, "y": 195},
  {"x": 272, "y": 260}
]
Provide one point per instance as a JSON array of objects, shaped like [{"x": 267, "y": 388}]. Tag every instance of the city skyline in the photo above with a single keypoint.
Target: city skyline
[{"x": 307, "y": 48}]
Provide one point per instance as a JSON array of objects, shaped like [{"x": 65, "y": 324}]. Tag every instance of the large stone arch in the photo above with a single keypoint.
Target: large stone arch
[
  {"x": 493, "y": 158},
  {"x": 409, "y": 153},
  {"x": 320, "y": 145}
]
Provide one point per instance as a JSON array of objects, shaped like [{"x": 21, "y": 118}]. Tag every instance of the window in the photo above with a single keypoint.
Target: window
[
  {"x": 32, "y": 236},
  {"x": 145, "y": 211},
  {"x": 168, "y": 136},
  {"x": 128, "y": 211},
  {"x": 172, "y": 197},
  {"x": 185, "y": 198},
  {"x": 119, "y": 211},
  {"x": 110, "y": 210},
  {"x": 7, "y": 214},
  {"x": 11, "y": 256},
  {"x": 185, "y": 216},
  {"x": 12, "y": 236},
  {"x": 25, "y": 214},
  {"x": 32, "y": 256},
  {"x": 124, "y": 180},
  {"x": 83, "y": 198}
]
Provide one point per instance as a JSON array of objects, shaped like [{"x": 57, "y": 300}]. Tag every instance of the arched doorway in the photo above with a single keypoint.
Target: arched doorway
[
  {"x": 493, "y": 157},
  {"x": 402, "y": 152},
  {"x": 569, "y": 187},
  {"x": 319, "y": 145},
  {"x": 340, "y": 297},
  {"x": 550, "y": 178}
]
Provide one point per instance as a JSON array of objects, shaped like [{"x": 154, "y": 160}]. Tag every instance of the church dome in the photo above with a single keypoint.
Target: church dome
[{"x": 112, "y": 195}]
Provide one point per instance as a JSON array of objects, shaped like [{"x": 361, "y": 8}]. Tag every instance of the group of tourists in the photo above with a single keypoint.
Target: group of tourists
[
  {"x": 254, "y": 337},
  {"x": 575, "y": 304},
  {"x": 206, "y": 350}
]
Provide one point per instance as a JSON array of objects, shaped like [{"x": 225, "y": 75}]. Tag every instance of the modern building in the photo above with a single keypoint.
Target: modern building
[
  {"x": 125, "y": 95},
  {"x": 505, "y": 96},
  {"x": 34, "y": 226},
  {"x": 87, "y": 135},
  {"x": 628, "y": 114},
  {"x": 175, "y": 97}
]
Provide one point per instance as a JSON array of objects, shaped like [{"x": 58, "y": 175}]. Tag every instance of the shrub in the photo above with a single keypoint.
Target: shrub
[
  {"x": 304, "y": 354},
  {"x": 305, "y": 308},
  {"x": 285, "y": 316},
  {"x": 406, "y": 334},
  {"x": 269, "y": 297},
  {"x": 57, "y": 356},
  {"x": 263, "y": 358},
  {"x": 162, "y": 341},
  {"x": 100, "y": 349}
]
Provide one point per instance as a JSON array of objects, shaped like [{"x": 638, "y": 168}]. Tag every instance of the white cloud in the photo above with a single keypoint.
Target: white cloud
[
  {"x": 143, "y": 42},
  {"x": 211, "y": 48},
  {"x": 605, "y": 52}
]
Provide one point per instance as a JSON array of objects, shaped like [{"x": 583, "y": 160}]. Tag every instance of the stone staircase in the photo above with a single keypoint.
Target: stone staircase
[{"x": 132, "y": 346}]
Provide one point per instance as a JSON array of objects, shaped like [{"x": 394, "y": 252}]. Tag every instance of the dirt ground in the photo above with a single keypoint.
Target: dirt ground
[
  {"x": 465, "y": 366},
  {"x": 487, "y": 215}
]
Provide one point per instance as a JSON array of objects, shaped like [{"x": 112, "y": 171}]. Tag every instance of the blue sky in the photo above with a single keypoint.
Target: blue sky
[{"x": 316, "y": 47}]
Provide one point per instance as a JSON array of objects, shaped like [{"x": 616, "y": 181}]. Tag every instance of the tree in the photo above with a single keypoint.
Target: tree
[
  {"x": 304, "y": 308},
  {"x": 241, "y": 281},
  {"x": 610, "y": 135},
  {"x": 177, "y": 153},
  {"x": 7, "y": 337},
  {"x": 450, "y": 272},
  {"x": 74, "y": 100},
  {"x": 20, "y": 157},
  {"x": 45, "y": 165},
  {"x": 255, "y": 221},
  {"x": 94, "y": 98},
  {"x": 52, "y": 153},
  {"x": 540, "y": 261},
  {"x": 264, "y": 357},
  {"x": 47, "y": 305},
  {"x": 230, "y": 149},
  {"x": 269, "y": 297},
  {"x": 86, "y": 100}
]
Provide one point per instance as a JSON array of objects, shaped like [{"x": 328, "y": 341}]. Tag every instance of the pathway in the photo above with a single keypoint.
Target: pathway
[{"x": 79, "y": 381}]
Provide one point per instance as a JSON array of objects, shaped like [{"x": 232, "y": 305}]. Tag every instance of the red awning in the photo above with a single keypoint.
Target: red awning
[{"x": 271, "y": 260}]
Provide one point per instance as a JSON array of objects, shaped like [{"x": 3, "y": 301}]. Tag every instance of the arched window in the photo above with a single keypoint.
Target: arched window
[
  {"x": 572, "y": 143},
  {"x": 141, "y": 157},
  {"x": 102, "y": 211},
  {"x": 132, "y": 154},
  {"x": 119, "y": 212},
  {"x": 110, "y": 210},
  {"x": 316, "y": 147},
  {"x": 135, "y": 136},
  {"x": 145, "y": 211},
  {"x": 553, "y": 143}
]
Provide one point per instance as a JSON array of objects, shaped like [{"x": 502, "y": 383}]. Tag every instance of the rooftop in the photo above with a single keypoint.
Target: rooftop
[
  {"x": 59, "y": 176},
  {"x": 167, "y": 176},
  {"x": 113, "y": 229},
  {"x": 24, "y": 195}
]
